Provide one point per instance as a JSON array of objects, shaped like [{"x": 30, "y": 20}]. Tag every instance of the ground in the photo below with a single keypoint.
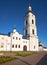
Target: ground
[{"x": 39, "y": 58}]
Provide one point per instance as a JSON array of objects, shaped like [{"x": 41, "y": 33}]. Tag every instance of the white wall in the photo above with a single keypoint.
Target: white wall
[
  {"x": 44, "y": 49},
  {"x": 5, "y": 42}
]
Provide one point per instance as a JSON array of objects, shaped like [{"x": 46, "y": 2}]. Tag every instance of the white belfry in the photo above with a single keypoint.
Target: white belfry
[{"x": 30, "y": 31}]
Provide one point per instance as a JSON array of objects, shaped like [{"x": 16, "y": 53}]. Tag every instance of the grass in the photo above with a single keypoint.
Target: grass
[
  {"x": 4, "y": 59},
  {"x": 24, "y": 53},
  {"x": 21, "y": 53}
]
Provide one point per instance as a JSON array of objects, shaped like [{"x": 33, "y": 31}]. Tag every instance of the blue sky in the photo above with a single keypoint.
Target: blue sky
[{"x": 12, "y": 14}]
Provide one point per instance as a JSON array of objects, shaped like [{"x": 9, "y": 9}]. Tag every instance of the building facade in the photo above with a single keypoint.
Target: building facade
[{"x": 17, "y": 42}]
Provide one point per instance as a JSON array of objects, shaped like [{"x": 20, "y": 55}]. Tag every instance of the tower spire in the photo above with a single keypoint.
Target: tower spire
[{"x": 29, "y": 8}]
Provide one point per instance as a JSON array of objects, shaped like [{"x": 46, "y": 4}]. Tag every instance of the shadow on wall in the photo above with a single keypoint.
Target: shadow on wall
[{"x": 43, "y": 61}]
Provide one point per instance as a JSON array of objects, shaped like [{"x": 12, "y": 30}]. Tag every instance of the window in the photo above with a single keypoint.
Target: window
[
  {"x": 33, "y": 31},
  {"x": 15, "y": 46},
  {"x": 26, "y": 32},
  {"x": 19, "y": 38},
  {"x": 2, "y": 45},
  {"x": 26, "y": 22},
  {"x": 23, "y": 41},
  {"x": 12, "y": 46},
  {"x": 19, "y": 46},
  {"x": 26, "y": 41},
  {"x": 2, "y": 37},
  {"x": 13, "y": 37},
  {"x": 16, "y": 38},
  {"x": 34, "y": 47},
  {"x": 32, "y": 21}
]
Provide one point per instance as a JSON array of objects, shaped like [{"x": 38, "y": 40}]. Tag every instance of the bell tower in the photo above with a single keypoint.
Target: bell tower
[
  {"x": 30, "y": 30},
  {"x": 29, "y": 23}
]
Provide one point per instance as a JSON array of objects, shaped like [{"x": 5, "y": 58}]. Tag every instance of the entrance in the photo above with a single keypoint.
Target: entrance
[{"x": 25, "y": 48}]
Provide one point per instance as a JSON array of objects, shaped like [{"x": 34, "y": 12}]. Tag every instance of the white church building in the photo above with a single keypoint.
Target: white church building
[{"x": 17, "y": 42}]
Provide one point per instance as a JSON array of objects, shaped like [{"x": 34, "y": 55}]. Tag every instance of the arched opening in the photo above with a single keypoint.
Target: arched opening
[
  {"x": 15, "y": 46},
  {"x": 25, "y": 48},
  {"x": 32, "y": 31},
  {"x": 26, "y": 22},
  {"x": 26, "y": 32},
  {"x": 32, "y": 21},
  {"x": 19, "y": 46}
]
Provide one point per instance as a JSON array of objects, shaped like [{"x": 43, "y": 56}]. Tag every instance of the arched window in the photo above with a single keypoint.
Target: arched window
[
  {"x": 16, "y": 38},
  {"x": 2, "y": 45},
  {"x": 13, "y": 38},
  {"x": 26, "y": 32},
  {"x": 26, "y": 22},
  {"x": 19, "y": 46},
  {"x": 32, "y": 21},
  {"x": 19, "y": 38},
  {"x": 12, "y": 46},
  {"x": 34, "y": 47},
  {"x": 32, "y": 31},
  {"x": 15, "y": 46}
]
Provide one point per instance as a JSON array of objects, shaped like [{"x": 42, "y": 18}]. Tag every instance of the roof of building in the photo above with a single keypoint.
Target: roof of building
[
  {"x": 4, "y": 34},
  {"x": 45, "y": 47},
  {"x": 29, "y": 10}
]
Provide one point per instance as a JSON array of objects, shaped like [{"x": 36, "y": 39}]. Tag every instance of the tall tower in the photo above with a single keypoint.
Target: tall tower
[{"x": 30, "y": 31}]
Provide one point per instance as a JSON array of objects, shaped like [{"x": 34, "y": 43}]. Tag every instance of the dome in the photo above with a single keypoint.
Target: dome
[
  {"x": 14, "y": 30},
  {"x": 29, "y": 8}
]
